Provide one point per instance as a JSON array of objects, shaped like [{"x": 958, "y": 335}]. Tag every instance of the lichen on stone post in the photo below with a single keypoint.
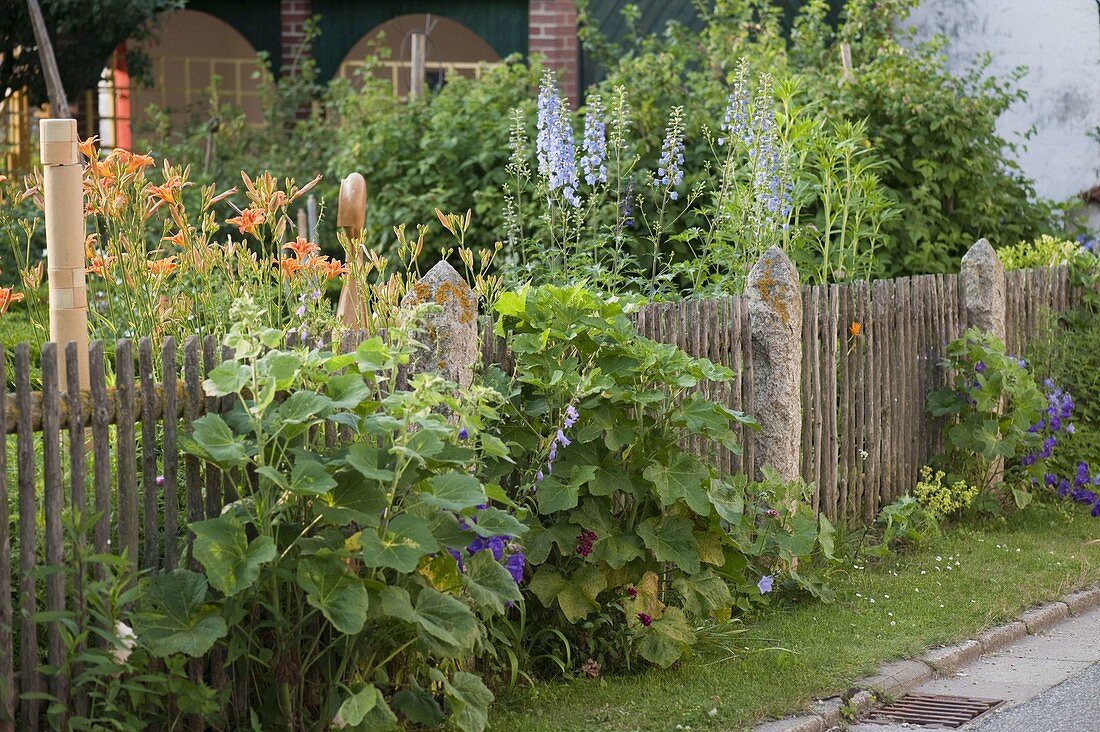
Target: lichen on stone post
[
  {"x": 449, "y": 333},
  {"x": 982, "y": 279},
  {"x": 775, "y": 315}
]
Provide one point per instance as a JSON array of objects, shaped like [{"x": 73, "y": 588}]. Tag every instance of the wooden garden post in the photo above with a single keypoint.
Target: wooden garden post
[
  {"x": 64, "y": 208},
  {"x": 351, "y": 215},
  {"x": 418, "y": 46}
]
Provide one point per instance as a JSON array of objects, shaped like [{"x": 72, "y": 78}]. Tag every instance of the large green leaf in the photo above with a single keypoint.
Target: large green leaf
[
  {"x": 728, "y": 499},
  {"x": 369, "y": 461},
  {"x": 540, "y": 540},
  {"x": 303, "y": 406},
  {"x": 356, "y": 706},
  {"x": 213, "y": 441},
  {"x": 494, "y": 522},
  {"x": 401, "y": 545},
  {"x": 618, "y": 549},
  {"x": 446, "y": 626},
  {"x": 228, "y": 377},
  {"x": 703, "y": 593},
  {"x": 546, "y": 584},
  {"x": 173, "y": 617},
  {"x": 489, "y": 583},
  {"x": 468, "y": 701},
  {"x": 455, "y": 492},
  {"x": 671, "y": 540},
  {"x": 418, "y": 706},
  {"x": 576, "y": 594},
  {"x": 232, "y": 563},
  {"x": 682, "y": 478},
  {"x": 555, "y": 494},
  {"x": 329, "y": 587},
  {"x": 668, "y": 639},
  {"x": 281, "y": 366},
  {"x": 309, "y": 478},
  {"x": 354, "y": 499},
  {"x": 347, "y": 391}
]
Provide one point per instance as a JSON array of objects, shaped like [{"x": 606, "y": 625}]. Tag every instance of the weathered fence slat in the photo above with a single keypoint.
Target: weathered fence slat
[
  {"x": 53, "y": 492},
  {"x": 101, "y": 446},
  {"x": 28, "y": 542},
  {"x": 150, "y": 553},
  {"x": 126, "y": 451},
  {"x": 191, "y": 407},
  {"x": 171, "y": 457},
  {"x": 210, "y": 353},
  {"x": 8, "y": 688}
]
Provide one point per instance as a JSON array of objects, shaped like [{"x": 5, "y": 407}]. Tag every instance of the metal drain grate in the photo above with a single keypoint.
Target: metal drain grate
[{"x": 932, "y": 710}]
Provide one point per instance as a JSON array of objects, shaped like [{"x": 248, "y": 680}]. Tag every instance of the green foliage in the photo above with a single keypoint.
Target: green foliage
[
  {"x": 904, "y": 523},
  {"x": 991, "y": 402},
  {"x": 342, "y": 579},
  {"x": 594, "y": 422},
  {"x": 1046, "y": 251}
]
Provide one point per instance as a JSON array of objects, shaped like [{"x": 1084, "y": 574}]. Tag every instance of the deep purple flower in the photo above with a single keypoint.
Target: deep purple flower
[
  {"x": 765, "y": 584},
  {"x": 595, "y": 143},
  {"x": 458, "y": 558},
  {"x": 585, "y": 540},
  {"x": 772, "y": 512},
  {"x": 1096, "y": 509},
  {"x": 159, "y": 480},
  {"x": 980, "y": 367},
  {"x": 646, "y": 620},
  {"x": 515, "y": 564},
  {"x": 1028, "y": 460},
  {"x": 1063, "y": 487},
  {"x": 463, "y": 434},
  {"x": 1050, "y": 479},
  {"x": 632, "y": 592}
]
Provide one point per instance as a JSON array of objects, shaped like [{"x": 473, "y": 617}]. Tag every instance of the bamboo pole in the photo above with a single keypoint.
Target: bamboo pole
[
  {"x": 351, "y": 215},
  {"x": 59, "y": 104},
  {"x": 64, "y": 204}
]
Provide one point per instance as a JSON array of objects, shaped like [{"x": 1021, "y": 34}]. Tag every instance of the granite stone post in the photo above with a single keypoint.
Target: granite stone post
[
  {"x": 983, "y": 289},
  {"x": 775, "y": 314},
  {"x": 450, "y": 332}
]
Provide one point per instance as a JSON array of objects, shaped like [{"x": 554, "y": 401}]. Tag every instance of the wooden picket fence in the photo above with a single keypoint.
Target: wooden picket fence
[{"x": 871, "y": 354}]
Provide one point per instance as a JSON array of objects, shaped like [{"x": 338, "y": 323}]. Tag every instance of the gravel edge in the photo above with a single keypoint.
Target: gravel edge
[{"x": 895, "y": 678}]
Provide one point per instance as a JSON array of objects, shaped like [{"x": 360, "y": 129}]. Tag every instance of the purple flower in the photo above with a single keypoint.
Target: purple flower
[
  {"x": 556, "y": 154},
  {"x": 1028, "y": 460},
  {"x": 646, "y": 620},
  {"x": 496, "y": 546},
  {"x": 458, "y": 558},
  {"x": 595, "y": 143},
  {"x": 631, "y": 592},
  {"x": 563, "y": 440},
  {"x": 1095, "y": 510},
  {"x": 571, "y": 417},
  {"x": 765, "y": 584},
  {"x": 539, "y": 476},
  {"x": 515, "y": 564},
  {"x": 585, "y": 540},
  {"x": 980, "y": 367},
  {"x": 670, "y": 166},
  {"x": 159, "y": 480},
  {"x": 463, "y": 434},
  {"x": 1050, "y": 479}
]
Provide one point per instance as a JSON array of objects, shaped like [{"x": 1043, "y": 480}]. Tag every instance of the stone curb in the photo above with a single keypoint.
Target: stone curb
[{"x": 895, "y": 678}]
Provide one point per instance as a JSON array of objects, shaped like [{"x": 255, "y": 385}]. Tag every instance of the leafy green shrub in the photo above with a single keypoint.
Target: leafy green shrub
[
  {"x": 344, "y": 585},
  {"x": 905, "y": 522},
  {"x": 627, "y": 530},
  {"x": 993, "y": 405},
  {"x": 1046, "y": 251}
]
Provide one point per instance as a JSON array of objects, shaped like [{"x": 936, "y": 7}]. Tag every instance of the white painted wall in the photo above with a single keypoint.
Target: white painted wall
[{"x": 1059, "y": 42}]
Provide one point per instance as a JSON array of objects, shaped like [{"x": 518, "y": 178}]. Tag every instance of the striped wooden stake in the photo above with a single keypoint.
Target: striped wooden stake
[{"x": 64, "y": 203}]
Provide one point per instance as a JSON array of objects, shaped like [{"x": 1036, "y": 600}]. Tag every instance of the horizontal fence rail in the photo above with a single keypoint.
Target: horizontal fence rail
[{"x": 870, "y": 355}]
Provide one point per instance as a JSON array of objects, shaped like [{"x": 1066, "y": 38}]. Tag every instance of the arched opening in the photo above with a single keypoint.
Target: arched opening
[
  {"x": 193, "y": 51},
  {"x": 452, "y": 49}
]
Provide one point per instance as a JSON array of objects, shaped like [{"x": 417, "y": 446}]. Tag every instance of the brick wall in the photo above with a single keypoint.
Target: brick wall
[
  {"x": 293, "y": 15},
  {"x": 552, "y": 32}
]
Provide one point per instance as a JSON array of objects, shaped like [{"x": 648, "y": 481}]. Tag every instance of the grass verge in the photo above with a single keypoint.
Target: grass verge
[{"x": 952, "y": 588}]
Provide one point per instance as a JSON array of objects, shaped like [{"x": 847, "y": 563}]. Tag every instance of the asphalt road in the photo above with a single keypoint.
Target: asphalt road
[{"x": 1072, "y": 706}]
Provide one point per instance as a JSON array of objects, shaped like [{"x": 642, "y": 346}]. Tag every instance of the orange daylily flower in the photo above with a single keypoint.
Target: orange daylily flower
[
  {"x": 7, "y": 297},
  {"x": 104, "y": 169},
  {"x": 87, "y": 147},
  {"x": 856, "y": 328},
  {"x": 161, "y": 267},
  {"x": 138, "y": 161},
  {"x": 302, "y": 248},
  {"x": 248, "y": 221},
  {"x": 179, "y": 238},
  {"x": 288, "y": 267},
  {"x": 332, "y": 268},
  {"x": 166, "y": 192},
  {"x": 99, "y": 265}
]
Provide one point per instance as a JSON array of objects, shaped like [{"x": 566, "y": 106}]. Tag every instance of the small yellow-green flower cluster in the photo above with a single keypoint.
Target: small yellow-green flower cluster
[{"x": 940, "y": 498}]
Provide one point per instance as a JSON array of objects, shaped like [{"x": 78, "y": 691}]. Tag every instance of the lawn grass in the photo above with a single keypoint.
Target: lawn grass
[{"x": 954, "y": 587}]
